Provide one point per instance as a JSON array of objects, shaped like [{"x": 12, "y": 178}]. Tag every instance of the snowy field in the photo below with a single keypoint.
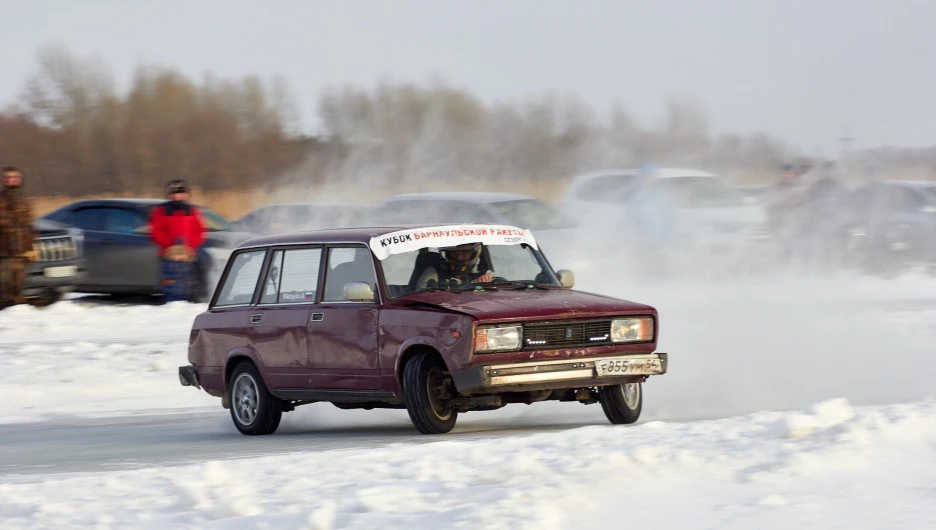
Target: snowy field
[
  {"x": 731, "y": 437},
  {"x": 836, "y": 467}
]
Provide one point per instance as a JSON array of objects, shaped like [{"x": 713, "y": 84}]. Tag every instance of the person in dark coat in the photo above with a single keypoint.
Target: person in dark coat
[
  {"x": 16, "y": 238},
  {"x": 178, "y": 229}
]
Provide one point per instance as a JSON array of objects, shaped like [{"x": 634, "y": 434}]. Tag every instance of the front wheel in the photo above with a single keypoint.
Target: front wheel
[
  {"x": 621, "y": 403},
  {"x": 427, "y": 393},
  {"x": 254, "y": 410}
]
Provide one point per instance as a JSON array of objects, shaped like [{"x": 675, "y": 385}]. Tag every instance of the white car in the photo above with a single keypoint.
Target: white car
[
  {"x": 709, "y": 214},
  {"x": 553, "y": 230}
]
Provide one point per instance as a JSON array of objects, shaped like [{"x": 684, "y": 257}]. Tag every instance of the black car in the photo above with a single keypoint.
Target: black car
[
  {"x": 121, "y": 257},
  {"x": 59, "y": 266},
  {"x": 898, "y": 222}
]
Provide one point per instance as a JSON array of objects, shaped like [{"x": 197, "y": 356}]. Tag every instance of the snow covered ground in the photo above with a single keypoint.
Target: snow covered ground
[
  {"x": 706, "y": 455},
  {"x": 834, "y": 467}
]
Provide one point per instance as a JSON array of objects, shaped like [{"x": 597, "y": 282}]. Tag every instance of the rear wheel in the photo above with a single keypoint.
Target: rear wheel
[
  {"x": 254, "y": 410},
  {"x": 427, "y": 392},
  {"x": 621, "y": 403}
]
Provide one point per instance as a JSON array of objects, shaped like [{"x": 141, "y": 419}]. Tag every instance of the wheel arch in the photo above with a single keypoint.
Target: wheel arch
[
  {"x": 413, "y": 347},
  {"x": 237, "y": 356}
]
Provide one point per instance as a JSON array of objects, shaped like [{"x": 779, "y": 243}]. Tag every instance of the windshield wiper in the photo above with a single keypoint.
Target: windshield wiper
[{"x": 520, "y": 284}]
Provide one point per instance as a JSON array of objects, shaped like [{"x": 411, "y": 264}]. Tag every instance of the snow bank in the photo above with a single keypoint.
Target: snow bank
[
  {"x": 861, "y": 467},
  {"x": 89, "y": 359}
]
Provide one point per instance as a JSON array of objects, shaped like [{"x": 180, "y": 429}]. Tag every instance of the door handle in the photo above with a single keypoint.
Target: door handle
[
  {"x": 318, "y": 317},
  {"x": 256, "y": 319}
]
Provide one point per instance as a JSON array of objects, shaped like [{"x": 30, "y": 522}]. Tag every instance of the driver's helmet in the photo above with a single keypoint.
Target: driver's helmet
[{"x": 460, "y": 258}]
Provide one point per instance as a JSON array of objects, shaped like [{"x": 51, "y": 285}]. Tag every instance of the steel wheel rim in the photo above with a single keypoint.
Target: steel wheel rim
[
  {"x": 435, "y": 384},
  {"x": 631, "y": 393},
  {"x": 245, "y": 399}
]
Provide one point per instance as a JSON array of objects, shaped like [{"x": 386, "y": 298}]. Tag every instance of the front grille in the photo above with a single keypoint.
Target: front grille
[
  {"x": 574, "y": 334},
  {"x": 57, "y": 248}
]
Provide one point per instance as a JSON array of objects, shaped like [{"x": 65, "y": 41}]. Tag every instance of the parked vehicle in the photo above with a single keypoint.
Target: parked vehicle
[
  {"x": 294, "y": 217},
  {"x": 120, "y": 256},
  {"x": 60, "y": 265},
  {"x": 898, "y": 222},
  {"x": 554, "y": 230},
  {"x": 708, "y": 214},
  {"x": 339, "y": 316}
]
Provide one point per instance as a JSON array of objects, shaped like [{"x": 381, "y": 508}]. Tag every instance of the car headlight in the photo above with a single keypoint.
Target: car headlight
[
  {"x": 494, "y": 338},
  {"x": 636, "y": 329}
]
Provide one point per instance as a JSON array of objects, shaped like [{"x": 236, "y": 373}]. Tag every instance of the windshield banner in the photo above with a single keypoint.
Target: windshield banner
[{"x": 448, "y": 236}]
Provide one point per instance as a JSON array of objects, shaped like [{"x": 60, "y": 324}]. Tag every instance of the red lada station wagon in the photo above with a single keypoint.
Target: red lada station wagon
[{"x": 436, "y": 320}]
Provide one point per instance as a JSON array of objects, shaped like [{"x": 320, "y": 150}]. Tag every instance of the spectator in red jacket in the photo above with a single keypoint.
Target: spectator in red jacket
[{"x": 178, "y": 229}]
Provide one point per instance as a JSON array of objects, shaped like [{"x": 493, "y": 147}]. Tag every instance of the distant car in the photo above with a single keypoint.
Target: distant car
[
  {"x": 60, "y": 264},
  {"x": 339, "y": 316},
  {"x": 898, "y": 220},
  {"x": 120, "y": 256},
  {"x": 709, "y": 214},
  {"x": 753, "y": 193},
  {"x": 552, "y": 228},
  {"x": 294, "y": 217}
]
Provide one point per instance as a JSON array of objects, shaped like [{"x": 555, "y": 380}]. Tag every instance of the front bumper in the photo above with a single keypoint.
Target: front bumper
[
  {"x": 60, "y": 276},
  {"x": 544, "y": 375}
]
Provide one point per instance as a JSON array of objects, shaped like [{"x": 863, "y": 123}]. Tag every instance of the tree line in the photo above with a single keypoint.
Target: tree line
[{"x": 76, "y": 133}]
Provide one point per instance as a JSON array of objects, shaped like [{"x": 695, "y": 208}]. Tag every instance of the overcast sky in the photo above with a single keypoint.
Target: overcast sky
[{"x": 803, "y": 70}]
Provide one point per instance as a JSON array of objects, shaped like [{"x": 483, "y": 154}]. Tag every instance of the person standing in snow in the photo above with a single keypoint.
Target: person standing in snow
[
  {"x": 16, "y": 238},
  {"x": 178, "y": 229}
]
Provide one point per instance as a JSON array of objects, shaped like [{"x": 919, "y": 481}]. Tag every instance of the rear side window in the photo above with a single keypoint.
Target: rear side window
[
  {"x": 293, "y": 277},
  {"x": 241, "y": 280}
]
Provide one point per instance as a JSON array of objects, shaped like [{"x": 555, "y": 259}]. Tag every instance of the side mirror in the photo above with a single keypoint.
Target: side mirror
[
  {"x": 358, "y": 292},
  {"x": 566, "y": 278}
]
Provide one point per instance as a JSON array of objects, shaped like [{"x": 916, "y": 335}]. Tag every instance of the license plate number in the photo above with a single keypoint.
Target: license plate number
[
  {"x": 628, "y": 367},
  {"x": 60, "y": 272}
]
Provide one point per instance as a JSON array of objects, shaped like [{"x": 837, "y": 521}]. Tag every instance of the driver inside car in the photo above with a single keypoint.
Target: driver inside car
[{"x": 460, "y": 266}]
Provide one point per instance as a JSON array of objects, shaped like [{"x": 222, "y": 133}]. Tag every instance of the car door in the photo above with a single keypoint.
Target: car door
[
  {"x": 343, "y": 353},
  {"x": 278, "y": 326},
  {"x": 132, "y": 257},
  {"x": 91, "y": 221}
]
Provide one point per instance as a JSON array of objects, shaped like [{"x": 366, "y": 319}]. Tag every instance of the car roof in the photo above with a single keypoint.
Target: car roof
[
  {"x": 483, "y": 197},
  {"x": 663, "y": 172},
  {"x": 331, "y": 235},
  {"x": 910, "y": 183},
  {"x": 115, "y": 202}
]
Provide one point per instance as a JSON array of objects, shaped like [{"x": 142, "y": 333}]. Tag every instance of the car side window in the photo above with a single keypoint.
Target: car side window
[
  {"x": 122, "y": 221},
  {"x": 89, "y": 219},
  {"x": 275, "y": 275},
  {"x": 347, "y": 265},
  {"x": 241, "y": 280},
  {"x": 300, "y": 276}
]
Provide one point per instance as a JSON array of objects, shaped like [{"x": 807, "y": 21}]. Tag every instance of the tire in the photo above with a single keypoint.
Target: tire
[
  {"x": 621, "y": 405},
  {"x": 424, "y": 378},
  {"x": 254, "y": 410},
  {"x": 44, "y": 301}
]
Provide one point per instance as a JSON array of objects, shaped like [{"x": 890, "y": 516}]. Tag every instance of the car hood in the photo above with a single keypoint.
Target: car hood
[
  {"x": 538, "y": 304},
  {"x": 45, "y": 227}
]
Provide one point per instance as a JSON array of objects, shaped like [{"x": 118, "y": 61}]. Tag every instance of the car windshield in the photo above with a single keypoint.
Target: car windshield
[
  {"x": 532, "y": 214},
  {"x": 512, "y": 267},
  {"x": 216, "y": 222},
  {"x": 700, "y": 192},
  {"x": 297, "y": 217}
]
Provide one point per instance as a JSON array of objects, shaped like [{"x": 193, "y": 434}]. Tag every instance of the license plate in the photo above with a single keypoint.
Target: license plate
[
  {"x": 60, "y": 272},
  {"x": 628, "y": 367}
]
